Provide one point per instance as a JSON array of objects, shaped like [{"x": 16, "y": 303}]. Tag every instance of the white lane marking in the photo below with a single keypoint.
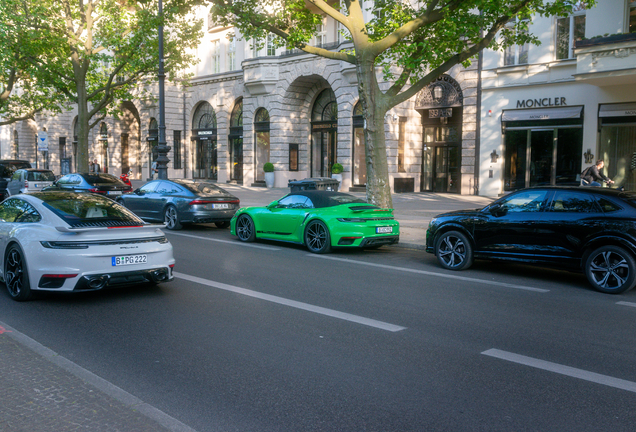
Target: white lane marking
[
  {"x": 237, "y": 242},
  {"x": 132, "y": 402},
  {"x": 624, "y": 303},
  {"x": 563, "y": 370},
  {"x": 292, "y": 303},
  {"x": 428, "y": 273}
]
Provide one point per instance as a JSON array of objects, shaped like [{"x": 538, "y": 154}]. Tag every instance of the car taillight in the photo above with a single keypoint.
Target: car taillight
[
  {"x": 97, "y": 191},
  {"x": 26, "y": 184},
  {"x": 198, "y": 202}
]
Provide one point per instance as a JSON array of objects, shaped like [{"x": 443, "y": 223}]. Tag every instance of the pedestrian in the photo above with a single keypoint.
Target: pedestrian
[
  {"x": 95, "y": 167},
  {"x": 154, "y": 169},
  {"x": 592, "y": 176}
]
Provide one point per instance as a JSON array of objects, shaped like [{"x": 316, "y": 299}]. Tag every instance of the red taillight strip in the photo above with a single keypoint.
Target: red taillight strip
[
  {"x": 60, "y": 275},
  {"x": 195, "y": 202}
]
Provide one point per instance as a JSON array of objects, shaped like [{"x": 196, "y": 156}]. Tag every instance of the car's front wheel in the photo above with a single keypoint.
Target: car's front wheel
[
  {"x": 16, "y": 276},
  {"x": 454, "y": 251},
  {"x": 317, "y": 237},
  {"x": 172, "y": 218},
  {"x": 611, "y": 269},
  {"x": 245, "y": 230}
]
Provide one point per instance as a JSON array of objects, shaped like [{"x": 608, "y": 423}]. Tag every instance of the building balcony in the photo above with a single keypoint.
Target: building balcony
[
  {"x": 260, "y": 75},
  {"x": 606, "y": 61}
]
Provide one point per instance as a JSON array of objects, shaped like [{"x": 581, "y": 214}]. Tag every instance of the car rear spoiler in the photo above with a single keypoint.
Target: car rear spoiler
[
  {"x": 87, "y": 229},
  {"x": 357, "y": 209}
]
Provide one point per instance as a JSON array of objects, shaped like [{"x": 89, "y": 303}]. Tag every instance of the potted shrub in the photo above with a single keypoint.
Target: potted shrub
[
  {"x": 269, "y": 174},
  {"x": 336, "y": 172}
]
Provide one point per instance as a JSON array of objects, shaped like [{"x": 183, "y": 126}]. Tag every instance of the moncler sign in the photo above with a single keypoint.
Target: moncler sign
[{"x": 543, "y": 102}]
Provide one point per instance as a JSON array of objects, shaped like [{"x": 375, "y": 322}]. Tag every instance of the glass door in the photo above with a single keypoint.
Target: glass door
[
  {"x": 236, "y": 159},
  {"x": 446, "y": 178},
  {"x": 541, "y": 156},
  {"x": 323, "y": 154},
  {"x": 200, "y": 159}
]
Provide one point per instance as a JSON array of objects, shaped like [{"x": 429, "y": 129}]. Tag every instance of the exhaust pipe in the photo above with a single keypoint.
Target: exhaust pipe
[
  {"x": 159, "y": 276},
  {"x": 97, "y": 282}
]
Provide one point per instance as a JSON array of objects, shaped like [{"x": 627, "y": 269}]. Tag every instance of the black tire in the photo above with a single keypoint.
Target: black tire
[
  {"x": 611, "y": 270},
  {"x": 454, "y": 251},
  {"x": 171, "y": 217},
  {"x": 317, "y": 238},
  {"x": 222, "y": 225},
  {"x": 16, "y": 276},
  {"x": 245, "y": 230}
]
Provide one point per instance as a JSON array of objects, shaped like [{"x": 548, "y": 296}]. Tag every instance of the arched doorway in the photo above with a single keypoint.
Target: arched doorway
[
  {"x": 441, "y": 107},
  {"x": 324, "y": 133},
  {"x": 261, "y": 142},
  {"x": 204, "y": 129},
  {"x": 236, "y": 142},
  {"x": 359, "y": 166}
]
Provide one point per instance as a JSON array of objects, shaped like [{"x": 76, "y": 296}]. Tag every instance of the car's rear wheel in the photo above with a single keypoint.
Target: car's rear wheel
[
  {"x": 172, "y": 218},
  {"x": 16, "y": 276},
  {"x": 222, "y": 224},
  {"x": 317, "y": 237},
  {"x": 611, "y": 269},
  {"x": 454, "y": 251},
  {"x": 245, "y": 230}
]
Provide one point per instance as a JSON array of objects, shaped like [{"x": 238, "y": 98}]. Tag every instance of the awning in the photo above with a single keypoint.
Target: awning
[
  {"x": 542, "y": 114},
  {"x": 617, "y": 110}
]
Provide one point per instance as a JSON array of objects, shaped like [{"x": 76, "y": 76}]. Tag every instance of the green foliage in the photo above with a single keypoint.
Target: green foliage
[
  {"x": 268, "y": 167},
  {"x": 336, "y": 168}
]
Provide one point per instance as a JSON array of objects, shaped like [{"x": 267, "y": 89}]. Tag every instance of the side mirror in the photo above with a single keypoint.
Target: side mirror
[
  {"x": 138, "y": 192},
  {"x": 498, "y": 210},
  {"x": 272, "y": 205}
]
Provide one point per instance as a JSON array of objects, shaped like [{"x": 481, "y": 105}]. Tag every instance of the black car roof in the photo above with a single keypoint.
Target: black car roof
[
  {"x": 596, "y": 190},
  {"x": 321, "y": 198}
]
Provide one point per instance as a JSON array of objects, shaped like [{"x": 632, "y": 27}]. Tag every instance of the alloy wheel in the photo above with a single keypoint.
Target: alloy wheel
[{"x": 317, "y": 237}]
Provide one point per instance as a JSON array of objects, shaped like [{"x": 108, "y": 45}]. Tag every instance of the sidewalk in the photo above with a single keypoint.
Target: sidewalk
[{"x": 412, "y": 210}]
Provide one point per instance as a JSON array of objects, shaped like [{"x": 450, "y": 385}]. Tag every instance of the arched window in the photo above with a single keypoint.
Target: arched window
[
  {"x": 236, "y": 142},
  {"x": 262, "y": 142},
  {"x": 204, "y": 136},
  {"x": 325, "y": 107}
]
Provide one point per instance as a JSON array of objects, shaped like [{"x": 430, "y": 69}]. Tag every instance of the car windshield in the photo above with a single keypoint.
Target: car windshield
[
  {"x": 40, "y": 176},
  {"x": 202, "y": 188},
  {"x": 101, "y": 178},
  {"x": 87, "y": 209}
]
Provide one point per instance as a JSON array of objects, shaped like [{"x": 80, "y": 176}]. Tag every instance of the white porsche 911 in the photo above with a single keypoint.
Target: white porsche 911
[{"x": 67, "y": 241}]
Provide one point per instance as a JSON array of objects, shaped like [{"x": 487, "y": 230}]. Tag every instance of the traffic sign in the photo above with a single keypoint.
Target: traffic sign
[{"x": 43, "y": 141}]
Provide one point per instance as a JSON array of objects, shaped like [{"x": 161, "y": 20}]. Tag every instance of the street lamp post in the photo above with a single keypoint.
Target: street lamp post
[{"x": 162, "y": 148}]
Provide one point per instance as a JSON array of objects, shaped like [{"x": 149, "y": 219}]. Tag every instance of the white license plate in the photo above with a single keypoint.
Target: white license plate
[
  {"x": 114, "y": 192},
  {"x": 221, "y": 206},
  {"x": 383, "y": 230},
  {"x": 129, "y": 260}
]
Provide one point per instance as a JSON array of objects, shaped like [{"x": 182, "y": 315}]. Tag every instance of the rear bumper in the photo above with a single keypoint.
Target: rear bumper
[
  {"x": 210, "y": 216},
  {"x": 369, "y": 241},
  {"x": 98, "y": 281}
]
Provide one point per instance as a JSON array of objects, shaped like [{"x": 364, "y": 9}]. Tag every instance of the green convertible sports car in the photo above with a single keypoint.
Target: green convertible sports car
[{"x": 319, "y": 220}]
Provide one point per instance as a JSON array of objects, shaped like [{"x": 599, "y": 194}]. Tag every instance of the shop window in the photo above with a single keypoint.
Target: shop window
[
  {"x": 569, "y": 30},
  {"x": 293, "y": 157},
  {"x": 515, "y": 54},
  {"x": 632, "y": 17},
  {"x": 401, "y": 142},
  {"x": 176, "y": 147},
  {"x": 262, "y": 141}
]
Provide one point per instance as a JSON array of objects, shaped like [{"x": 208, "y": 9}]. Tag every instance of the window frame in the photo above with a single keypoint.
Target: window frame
[
  {"x": 215, "y": 54},
  {"x": 571, "y": 18},
  {"x": 519, "y": 50}
]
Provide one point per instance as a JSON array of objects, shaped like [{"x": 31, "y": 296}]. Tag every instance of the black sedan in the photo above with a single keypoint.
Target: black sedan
[
  {"x": 177, "y": 202},
  {"x": 587, "y": 229},
  {"x": 101, "y": 183}
]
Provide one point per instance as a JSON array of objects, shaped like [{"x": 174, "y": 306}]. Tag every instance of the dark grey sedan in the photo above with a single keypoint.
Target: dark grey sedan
[
  {"x": 104, "y": 184},
  {"x": 177, "y": 202}
]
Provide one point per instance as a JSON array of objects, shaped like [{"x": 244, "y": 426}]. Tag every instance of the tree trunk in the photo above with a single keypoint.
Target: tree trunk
[
  {"x": 378, "y": 185},
  {"x": 82, "y": 128}
]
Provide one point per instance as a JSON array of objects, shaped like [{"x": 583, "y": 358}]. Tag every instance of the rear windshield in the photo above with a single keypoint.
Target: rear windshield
[
  {"x": 202, "y": 188},
  {"x": 8, "y": 168},
  {"x": 87, "y": 209},
  {"x": 322, "y": 199},
  {"x": 40, "y": 176},
  {"x": 101, "y": 178}
]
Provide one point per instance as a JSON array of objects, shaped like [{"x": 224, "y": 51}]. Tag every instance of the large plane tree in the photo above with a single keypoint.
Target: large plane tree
[{"x": 413, "y": 43}]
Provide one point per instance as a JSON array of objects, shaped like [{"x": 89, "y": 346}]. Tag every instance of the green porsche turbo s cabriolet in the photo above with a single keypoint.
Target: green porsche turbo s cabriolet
[{"x": 318, "y": 219}]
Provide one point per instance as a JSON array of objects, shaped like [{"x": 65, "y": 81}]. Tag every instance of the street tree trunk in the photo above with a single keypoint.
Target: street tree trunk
[{"x": 374, "y": 110}]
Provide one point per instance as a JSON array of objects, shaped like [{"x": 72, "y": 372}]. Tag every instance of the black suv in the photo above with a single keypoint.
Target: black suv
[{"x": 7, "y": 168}]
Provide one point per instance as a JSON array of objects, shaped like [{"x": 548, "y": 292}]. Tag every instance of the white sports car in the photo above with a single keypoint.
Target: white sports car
[{"x": 67, "y": 241}]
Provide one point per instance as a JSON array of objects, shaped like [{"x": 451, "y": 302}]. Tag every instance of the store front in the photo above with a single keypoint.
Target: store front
[
  {"x": 324, "y": 134},
  {"x": 542, "y": 146},
  {"x": 204, "y": 139},
  {"x": 617, "y": 124}
]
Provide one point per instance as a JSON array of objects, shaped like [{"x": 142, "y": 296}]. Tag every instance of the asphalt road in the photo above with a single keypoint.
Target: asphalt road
[{"x": 268, "y": 337}]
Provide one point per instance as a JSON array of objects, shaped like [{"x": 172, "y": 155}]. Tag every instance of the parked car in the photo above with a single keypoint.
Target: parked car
[
  {"x": 29, "y": 180},
  {"x": 320, "y": 220},
  {"x": 178, "y": 202},
  {"x": 587, "y": 229},
  {"x": 7, "y": 168},
  {"x": 75, "y": 248},
  {"x": 105, "y": 184}
]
